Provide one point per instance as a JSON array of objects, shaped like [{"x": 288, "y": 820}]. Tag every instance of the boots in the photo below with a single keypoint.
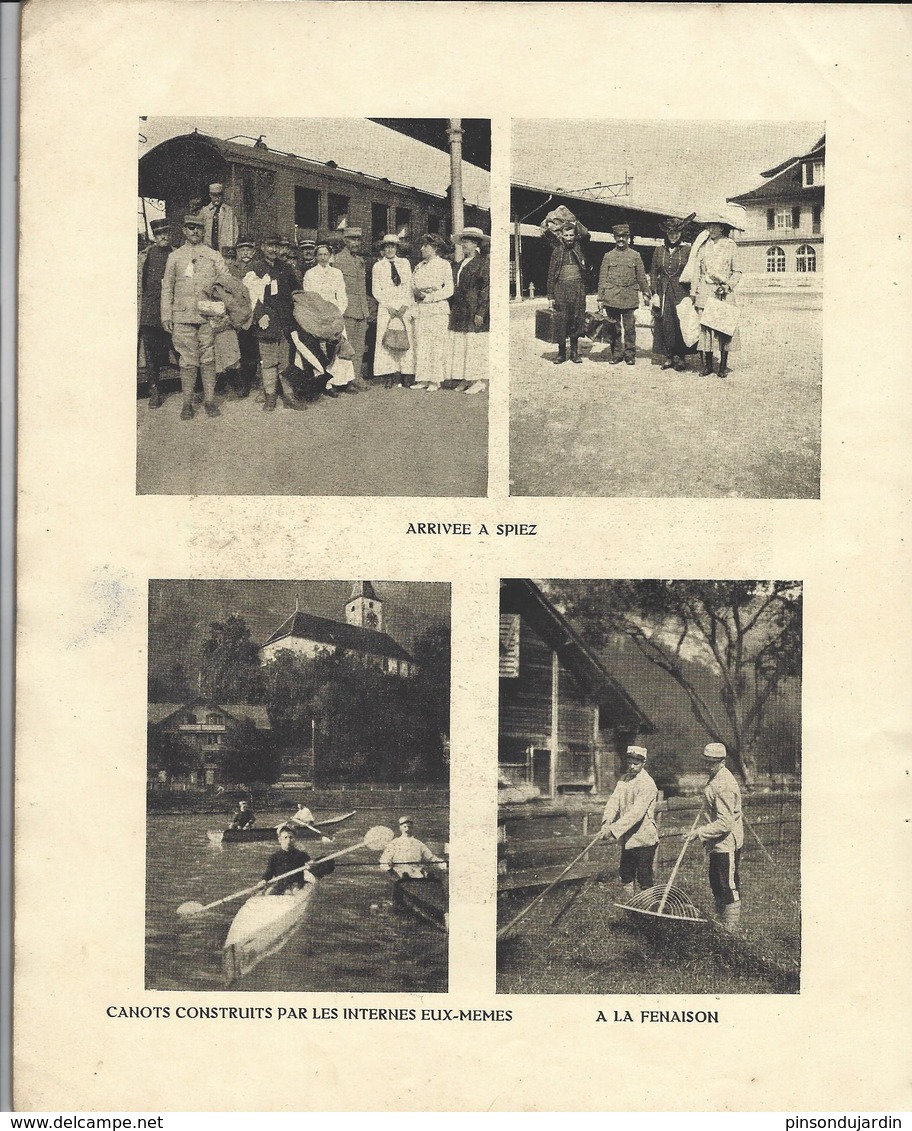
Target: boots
[
  {"x": 187, "y": 410},
  {"x": 209, "y": 378},
  {"x": 707, "y": 370},
  {"x": 574, "y": 351},
  {"x": 731, "y": 917},
  {"x": 269, "y": 402},
  {"x": 155, "y": 397},
  {"x": 627, "y": 891},
  {"x": 723, "y": 363},
  {"x": 561, "y": 353}
]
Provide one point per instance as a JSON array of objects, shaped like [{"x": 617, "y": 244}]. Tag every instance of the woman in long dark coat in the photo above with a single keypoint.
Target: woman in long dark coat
[
  {"x": 668, "y": 262},
  {"x": 470, "y": 315}
]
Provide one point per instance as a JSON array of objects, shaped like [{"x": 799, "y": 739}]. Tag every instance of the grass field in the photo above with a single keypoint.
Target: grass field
[{"x": 598, "y": 948}]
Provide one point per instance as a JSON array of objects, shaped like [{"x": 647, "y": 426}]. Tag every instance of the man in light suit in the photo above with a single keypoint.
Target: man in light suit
[
  {"x": 221, "y": 226},
  {"x": 190, "y": 274}
]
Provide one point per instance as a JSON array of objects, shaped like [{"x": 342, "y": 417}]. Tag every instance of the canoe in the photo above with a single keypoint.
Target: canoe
[
  {"x": 263, "y": 926},
  {"x": 425, "y": 899},
  {"x": 268, "y": 832}
]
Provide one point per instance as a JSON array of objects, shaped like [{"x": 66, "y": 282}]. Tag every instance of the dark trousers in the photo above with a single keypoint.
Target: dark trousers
[
  {"x": 250, "y": 356},
  {"x": 356, "y": 332},
  {"x": 638, "y": 864},
  {"x": 157, "y": 346},
  {"x": 625, "y": 319},
  {"x": 724, "y": 877}
]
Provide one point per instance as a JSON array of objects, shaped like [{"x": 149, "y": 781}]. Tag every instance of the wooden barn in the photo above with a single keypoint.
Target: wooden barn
[
  {"x": 563, "y": 716},
  {"x": 272, "y": 191}
]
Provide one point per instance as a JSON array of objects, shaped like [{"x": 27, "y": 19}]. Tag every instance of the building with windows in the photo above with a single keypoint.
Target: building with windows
[
  {"x": 360, "y": 635},
  {"x": 563, "y": 718},
  {"x": 202, "y": 725},
  {"x": 783, "y": 241}
]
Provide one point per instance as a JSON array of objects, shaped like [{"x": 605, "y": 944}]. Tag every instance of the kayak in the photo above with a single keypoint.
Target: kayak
[
  {"x": 261, "y": 833},
  {"x": 262, "y": 926},
  {"x": 425, "y": 899}
]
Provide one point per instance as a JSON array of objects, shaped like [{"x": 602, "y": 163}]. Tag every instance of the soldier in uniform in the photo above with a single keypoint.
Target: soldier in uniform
[
  {"x": 723, "y": 836},
  {"x": 247, "y": 339},
  {"x": 190, "y": 274},
  {"x": 156, "y": 341},
  {"x": 350, "y": 262},
  {"x": 307, "y": 256},
  {"x": 622, "y": 280}
]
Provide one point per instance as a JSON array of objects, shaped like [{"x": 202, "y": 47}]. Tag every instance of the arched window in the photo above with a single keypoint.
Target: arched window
[
  {"x": 806, "y": 258},
  {"x": 775, "y": 259}
]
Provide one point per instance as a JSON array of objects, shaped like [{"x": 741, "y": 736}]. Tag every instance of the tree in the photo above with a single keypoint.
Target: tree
[
  {"x": 747, "y": 633},
  {"x": 231, "y": 663},
  {"x": 167, "y": 751},
  {"x": 249, "y": 754}
]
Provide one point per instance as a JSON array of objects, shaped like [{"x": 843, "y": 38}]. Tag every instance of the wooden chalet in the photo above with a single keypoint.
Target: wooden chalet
[{"x": 563, "y": 716}]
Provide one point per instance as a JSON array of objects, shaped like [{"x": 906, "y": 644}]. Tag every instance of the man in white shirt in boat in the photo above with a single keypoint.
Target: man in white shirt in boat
[
  {"x": 409, "y": 858},
  {"x": 304, "y": 818},
  {"x": 243, "y": 817},
  {"x": 287, "y": 857},
  {"x": 629, "y": 819}
]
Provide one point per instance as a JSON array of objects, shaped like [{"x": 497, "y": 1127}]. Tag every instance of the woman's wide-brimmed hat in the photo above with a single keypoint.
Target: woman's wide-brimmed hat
[
  {"x": 718, "y": 218},
  {"x": 673, "y": 224}
]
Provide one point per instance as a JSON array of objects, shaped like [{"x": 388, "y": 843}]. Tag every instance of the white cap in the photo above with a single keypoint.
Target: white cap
[
  {"x": 216, "y": 188},
  {"x": 715, "y": 751},
  {"x": 636, "y": 752}
]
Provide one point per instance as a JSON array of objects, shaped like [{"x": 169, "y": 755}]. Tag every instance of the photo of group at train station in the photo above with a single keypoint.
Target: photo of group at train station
[
  {"x": 649, "y": 786},
  {"x": 666, "y": 280},
  {"x": 297, "y": 790},
  {"x": 293, "y": 283}
]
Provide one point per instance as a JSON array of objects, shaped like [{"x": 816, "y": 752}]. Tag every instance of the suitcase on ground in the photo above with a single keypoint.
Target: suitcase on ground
[{"x": 549, "y": 326}]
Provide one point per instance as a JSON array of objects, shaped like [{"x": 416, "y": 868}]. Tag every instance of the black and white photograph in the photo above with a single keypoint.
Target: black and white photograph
[
  {"x": 313, "y": 299},
  {"x": 649, "y": 787},
  {"x": 298, "y": 786},
  {"x": 666, "y": 294}
]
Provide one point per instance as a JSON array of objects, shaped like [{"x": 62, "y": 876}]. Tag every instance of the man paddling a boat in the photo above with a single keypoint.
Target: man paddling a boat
[
  {"x": 285, "y": 859},
  {"x": 243, "y": 817},
  {"x": 409, "y": 858}
]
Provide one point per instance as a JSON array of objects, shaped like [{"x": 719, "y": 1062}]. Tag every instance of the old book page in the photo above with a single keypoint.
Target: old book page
[{"x": 126, "y": 534}]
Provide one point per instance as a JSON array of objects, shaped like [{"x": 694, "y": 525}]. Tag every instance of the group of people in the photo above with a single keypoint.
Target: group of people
[
  {"x": 296, "y": 322},
  {"x": 629, "y": 818},
  {"x": 684, "y": 282},
  {"x": 406, "y": 858}
]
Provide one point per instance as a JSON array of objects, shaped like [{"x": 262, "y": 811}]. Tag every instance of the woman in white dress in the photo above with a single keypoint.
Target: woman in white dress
[
  {"x": 329, "y": 283},
  {"x": 432, "y": 285},
  {"x": 391, "y": 286},
  {"x": 715, "y": 274}
]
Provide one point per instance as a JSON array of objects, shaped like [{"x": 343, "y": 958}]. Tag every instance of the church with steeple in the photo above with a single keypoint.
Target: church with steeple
[{"x": 360, "y": 635}]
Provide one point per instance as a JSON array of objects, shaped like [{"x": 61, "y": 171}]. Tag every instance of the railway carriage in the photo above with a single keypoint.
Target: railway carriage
[{"x": 299, "y": 198}]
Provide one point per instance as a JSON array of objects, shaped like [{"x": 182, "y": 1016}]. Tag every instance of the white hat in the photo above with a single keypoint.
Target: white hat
[
  {"x": 636, "y": 752},
  {"x": 473, "y": 234},
  {"x": 390, "y": 239},
  {"x": 216, "y": 188},
  {"x": 718, "y": 218},
  {"x": 715, "y": 751}
]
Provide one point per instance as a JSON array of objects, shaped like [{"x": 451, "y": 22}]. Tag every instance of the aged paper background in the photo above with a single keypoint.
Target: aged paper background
[{"x": 88, "y": 546}]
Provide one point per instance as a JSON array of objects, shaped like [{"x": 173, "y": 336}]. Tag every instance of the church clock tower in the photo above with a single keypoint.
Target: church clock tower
[{"x": 364, "y": 607}]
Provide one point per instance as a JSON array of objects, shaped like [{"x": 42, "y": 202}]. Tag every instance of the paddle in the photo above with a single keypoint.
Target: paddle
[
  {"x": 375, "y": 839},
  {"x": 674, "y": 870},
  {"x": 541, "y": 895},
  {"x": 304, "y": 825}
]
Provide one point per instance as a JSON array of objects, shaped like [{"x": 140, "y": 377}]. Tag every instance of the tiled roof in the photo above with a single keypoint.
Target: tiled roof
[
  {"x": 321, "y": 630},
  {"x": 258, "y": 715}
]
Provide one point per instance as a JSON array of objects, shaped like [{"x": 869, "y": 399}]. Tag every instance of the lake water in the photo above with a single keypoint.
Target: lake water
[{"x": 351, "y": 940}]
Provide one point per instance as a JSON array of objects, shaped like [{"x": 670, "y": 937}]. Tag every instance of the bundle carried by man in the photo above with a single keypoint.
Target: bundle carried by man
[{"x": 317, "y": 317}]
